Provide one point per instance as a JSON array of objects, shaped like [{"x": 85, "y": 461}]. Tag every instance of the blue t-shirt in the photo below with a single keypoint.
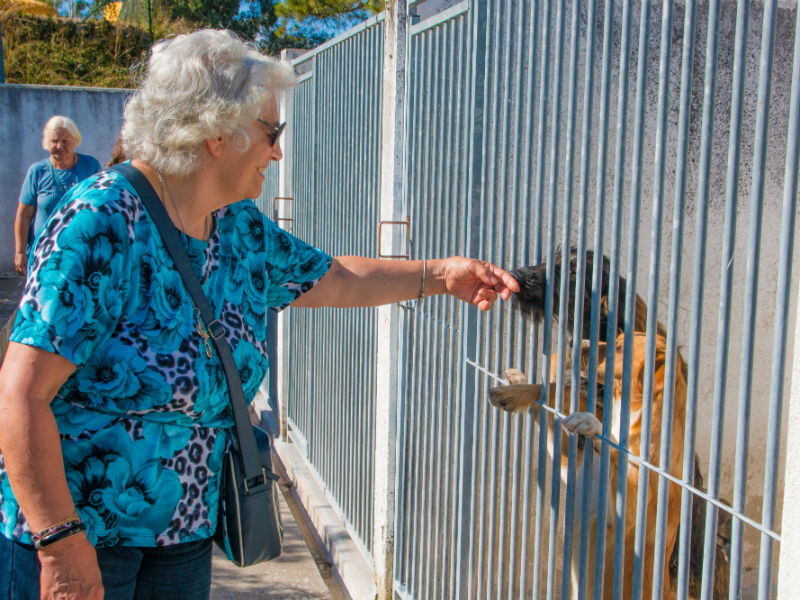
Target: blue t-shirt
[
  {"x": 40, "y": 189},
  {"x": 143, "y": 419}
]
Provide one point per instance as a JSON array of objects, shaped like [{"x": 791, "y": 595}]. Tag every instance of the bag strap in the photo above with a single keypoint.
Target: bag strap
[{"x": 251, "y": 462}]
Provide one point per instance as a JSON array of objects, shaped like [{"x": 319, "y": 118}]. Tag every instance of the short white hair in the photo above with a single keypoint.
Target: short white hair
[
  {"x": 199, "y": 86},
  {"x": 58, "y": 122}
]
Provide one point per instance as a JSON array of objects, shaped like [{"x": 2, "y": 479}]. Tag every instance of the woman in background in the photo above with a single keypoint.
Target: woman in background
[{"x": 47, "y": 182}]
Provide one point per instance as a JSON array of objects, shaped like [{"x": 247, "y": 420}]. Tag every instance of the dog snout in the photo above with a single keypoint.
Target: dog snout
[
  {"x": 530, "y": 298},
  {"x": 530, "y": 279}
]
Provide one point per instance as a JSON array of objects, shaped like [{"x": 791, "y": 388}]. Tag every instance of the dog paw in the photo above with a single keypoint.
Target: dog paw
[
  {"x": 583, "y": 423},
  {"x": 514, "y": 398},
  {"x": 515, "y": 376}
]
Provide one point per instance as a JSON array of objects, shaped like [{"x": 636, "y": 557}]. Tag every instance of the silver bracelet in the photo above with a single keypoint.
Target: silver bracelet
[{"x": 422, "y": 287}]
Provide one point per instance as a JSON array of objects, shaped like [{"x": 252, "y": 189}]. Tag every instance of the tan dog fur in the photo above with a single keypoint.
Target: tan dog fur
[{"x": 521, "y": 396}]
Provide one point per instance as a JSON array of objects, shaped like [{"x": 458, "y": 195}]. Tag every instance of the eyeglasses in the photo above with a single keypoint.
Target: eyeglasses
[{"x": 278, "y": 132}]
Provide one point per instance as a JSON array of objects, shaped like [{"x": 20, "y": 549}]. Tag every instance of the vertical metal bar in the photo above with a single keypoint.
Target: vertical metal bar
[
  {"x": 533, "y": 28},
  {"x": 572, "y": 452},
  {"x": 671, "y": 364},
  {"x": 641, "y": 552},
  {"x": 613, "y": 288},
  {"x": 537, "y": 252},
  {"x": 630, "y": 318},
  {"x": 616, "y": 234},
  {"x": 447, "y": 398},
  {"x": 364, "y": 176},
  {"x": 479, "y": 26},
  {"x": 723, "y": 323},
  {"x": 782, "y": 305},
  {"x": 342, "y": 406},
  {"x": 358, "y": 315},
  {"x": 456, "y": 319},
  {"x": 698, "y": 285},
  {"x": 431, "y": 212},
  {"x": 516, "y": 328},
  {"x": 489, "y": 249},
  {"x": 597, "y": 274},
  {"x": 484, "y": 330},
  {"x": 435, "y": 428},
  {"x": 751, "y": 291},
  {"x": 555, "y": 485},
  {"x": 423, "y": 161},
  {"x": 467, "y": 488},
  {"x": 405, "y": 434},
  {"x": 499, "y": 257}
]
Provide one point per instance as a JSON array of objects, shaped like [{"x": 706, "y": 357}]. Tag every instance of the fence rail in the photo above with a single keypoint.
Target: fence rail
[{"x": 510, "y": 152}]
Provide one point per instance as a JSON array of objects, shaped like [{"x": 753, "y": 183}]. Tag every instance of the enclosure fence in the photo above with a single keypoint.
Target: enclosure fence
[{"x": 641, "y": 131}]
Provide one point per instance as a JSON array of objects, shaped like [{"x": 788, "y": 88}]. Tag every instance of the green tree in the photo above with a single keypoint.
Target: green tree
[
  {"x": 331, "y": 14},
  {"x": 253, "y": 20}
]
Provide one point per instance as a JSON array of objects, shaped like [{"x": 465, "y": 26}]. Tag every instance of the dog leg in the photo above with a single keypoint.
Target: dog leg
[
  {"x": 515, "y": 398},
  {"x": 516, "y": 376}
]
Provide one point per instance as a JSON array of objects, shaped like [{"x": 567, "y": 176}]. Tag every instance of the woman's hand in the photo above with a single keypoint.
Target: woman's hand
[
  {"x": 474, "y": 281},
  {"x": 69, "y": 570},
  {"x": 21, "y": 263}
]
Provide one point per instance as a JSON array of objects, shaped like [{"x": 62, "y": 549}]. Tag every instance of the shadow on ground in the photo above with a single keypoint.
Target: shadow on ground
[{"x": 293, "y": 576}]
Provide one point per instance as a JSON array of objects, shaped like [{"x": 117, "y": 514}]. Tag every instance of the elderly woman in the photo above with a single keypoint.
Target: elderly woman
[
  {"x": 46, "y": 183},
  {"x": 112, "y": 408}
]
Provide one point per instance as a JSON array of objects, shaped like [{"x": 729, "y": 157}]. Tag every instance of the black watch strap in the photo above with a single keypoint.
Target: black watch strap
[{"x": 59, "y": 535}]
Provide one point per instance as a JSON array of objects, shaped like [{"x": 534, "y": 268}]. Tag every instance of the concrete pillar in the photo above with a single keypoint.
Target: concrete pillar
[
  {"x": 285, "y": 211},
  {"x": 390, "y": 318},
  {"x": 789, "y": 574}
]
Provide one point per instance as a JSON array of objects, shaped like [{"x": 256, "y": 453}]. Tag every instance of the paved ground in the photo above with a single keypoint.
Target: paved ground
[
  {"x": 293, "y": 576},
  {"x": 11, "y": 286}
]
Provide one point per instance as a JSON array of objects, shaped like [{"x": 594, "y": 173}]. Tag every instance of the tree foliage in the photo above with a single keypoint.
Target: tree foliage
[
  {"x": 50, "y": 51},
  {"x": 336, "y": 14}
]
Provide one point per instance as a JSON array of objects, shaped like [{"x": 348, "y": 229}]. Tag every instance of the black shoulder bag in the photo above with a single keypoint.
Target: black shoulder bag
[{"x": 249, "y": 527}]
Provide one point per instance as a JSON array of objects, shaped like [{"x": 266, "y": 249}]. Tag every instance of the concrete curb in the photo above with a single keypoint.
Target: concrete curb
[{"x": 350, "y": 568}]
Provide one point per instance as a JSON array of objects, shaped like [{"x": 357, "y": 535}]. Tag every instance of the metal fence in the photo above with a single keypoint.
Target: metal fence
[
  {"x": 534, "y": 125},
  {"x": 266, "y": 204},
  {"x": 332, "y": 364}
]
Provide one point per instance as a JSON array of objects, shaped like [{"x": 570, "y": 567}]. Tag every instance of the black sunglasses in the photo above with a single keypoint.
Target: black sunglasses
[{"x": 275, "y": 136}]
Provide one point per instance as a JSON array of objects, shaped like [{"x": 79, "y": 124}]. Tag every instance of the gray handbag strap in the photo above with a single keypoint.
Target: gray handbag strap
[{"x": 251, "y": 461}]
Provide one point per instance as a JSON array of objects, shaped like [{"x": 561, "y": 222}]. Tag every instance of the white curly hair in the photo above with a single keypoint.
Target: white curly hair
[
  {"x": 58, "y": 122},
  {"x": 199, "y": 86}
]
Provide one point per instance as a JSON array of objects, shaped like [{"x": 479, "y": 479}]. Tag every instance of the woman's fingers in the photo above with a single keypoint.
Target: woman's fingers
[
  {"x": 502, "y": 281},
  {"x": 509, "y": 283}
]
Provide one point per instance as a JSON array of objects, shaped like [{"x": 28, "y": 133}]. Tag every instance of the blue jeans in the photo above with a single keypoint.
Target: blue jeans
[{"x": 178, "y": 572}]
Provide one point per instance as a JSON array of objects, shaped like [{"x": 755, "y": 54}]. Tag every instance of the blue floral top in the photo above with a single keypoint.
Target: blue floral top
[{"x": 143, "y": 419}]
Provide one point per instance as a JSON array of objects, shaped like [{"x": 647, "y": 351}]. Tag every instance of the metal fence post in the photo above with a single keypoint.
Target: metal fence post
[
  {"x": 390, "y": 318},
  {"x": 789, "y": 574},
  {"x": 285, "y": 190}
]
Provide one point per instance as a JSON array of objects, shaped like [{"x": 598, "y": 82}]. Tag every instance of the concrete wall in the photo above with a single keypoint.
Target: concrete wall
[{"x": 24, "y": 111}]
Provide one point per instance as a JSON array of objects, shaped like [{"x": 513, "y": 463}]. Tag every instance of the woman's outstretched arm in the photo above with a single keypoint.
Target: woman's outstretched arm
[{"x": 357, "y": 281}]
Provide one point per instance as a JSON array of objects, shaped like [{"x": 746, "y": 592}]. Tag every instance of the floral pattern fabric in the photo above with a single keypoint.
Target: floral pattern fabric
[{"x": 144, "y": 419}]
